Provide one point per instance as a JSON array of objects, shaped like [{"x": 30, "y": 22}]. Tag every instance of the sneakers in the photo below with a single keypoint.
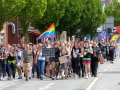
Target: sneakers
[
  {"x": 53, "y": 78},
  {"x": 3, "y": 79},
  {"x": 41, "y": 78},
  {"x": 29, "y": 77},
  {"x": 76, "y": 76},
  {"x": 58, "y": 77},
  {"x": 9, "y": 78},
  {"x": 20, "y": 78},
  {"x": 89, "y": 75},
  {"x": 86, "y": 76},
  {"x": 111, "y": 62},
  {"x": 26, "y": 79}
]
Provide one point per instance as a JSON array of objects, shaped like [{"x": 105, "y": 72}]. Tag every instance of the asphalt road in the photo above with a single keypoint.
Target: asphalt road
[{"x": 108, "y": 79}]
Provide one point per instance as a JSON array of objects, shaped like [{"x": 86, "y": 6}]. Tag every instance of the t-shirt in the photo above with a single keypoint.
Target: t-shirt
[
  {"x": 19, "y": 55},
  {"x": 111, "y": 49},
  {"x": 86, "y": 53},
  {"x": 49, "y": 46},
  {"x": 74, "y": 51},
  {"x": 11, "y": 58},
  {"x": 27, "y": 56},
  {"x": 96, "y": 52},
  {"x": 39, "y": 53},
  {"x": 102, "y": 47}
]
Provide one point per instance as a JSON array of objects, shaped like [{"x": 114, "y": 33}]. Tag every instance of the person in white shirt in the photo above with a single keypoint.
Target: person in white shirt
[{"x": 40, "y": 61}]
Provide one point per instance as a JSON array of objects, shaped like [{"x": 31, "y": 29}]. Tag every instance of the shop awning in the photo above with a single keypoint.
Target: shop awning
[{"x": 37, "y": 32}]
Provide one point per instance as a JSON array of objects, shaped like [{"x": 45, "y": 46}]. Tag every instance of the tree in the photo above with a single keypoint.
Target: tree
[
  {"x": 72, "y": 15},
  {"x": 92, "y": 17},
  {"x": 54, "y": 12},
  {"x": 113, "y": 9},
  {"x": 9, "y": 9},
  {"x": 33, "y": 10}
]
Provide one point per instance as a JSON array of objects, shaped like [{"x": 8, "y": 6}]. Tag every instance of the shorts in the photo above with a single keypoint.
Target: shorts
[
  {"x": 63, "y": 66},
  {"x": 26, "y": 66},
  {"x": 86, "y": 61},
  {"x": 54, "y": 60}
]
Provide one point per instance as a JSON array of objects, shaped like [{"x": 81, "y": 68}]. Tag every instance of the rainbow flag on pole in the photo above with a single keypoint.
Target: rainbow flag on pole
[{"x": 49, "y": 33}]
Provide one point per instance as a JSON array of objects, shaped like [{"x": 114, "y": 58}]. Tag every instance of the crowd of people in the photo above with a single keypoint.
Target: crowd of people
[{"x": 82, "y": 59}]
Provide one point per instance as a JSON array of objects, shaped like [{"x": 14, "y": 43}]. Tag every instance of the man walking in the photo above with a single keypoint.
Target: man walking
[{"x": 27, "y": 61}]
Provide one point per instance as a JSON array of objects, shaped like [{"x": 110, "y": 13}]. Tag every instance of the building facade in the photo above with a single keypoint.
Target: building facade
[{"x": 12, "y": 33}]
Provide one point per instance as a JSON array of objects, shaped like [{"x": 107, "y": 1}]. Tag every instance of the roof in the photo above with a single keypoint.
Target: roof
[{"x": 37, "y": 32}]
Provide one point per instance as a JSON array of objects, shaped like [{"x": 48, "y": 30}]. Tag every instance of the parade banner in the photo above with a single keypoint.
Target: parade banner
[{"x": 48, "y": 52}]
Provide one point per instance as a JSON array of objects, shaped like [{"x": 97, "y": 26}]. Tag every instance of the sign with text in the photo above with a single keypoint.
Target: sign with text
[
  {"x": 63, "y": 59},
  {"x": 48, "y": 52}
]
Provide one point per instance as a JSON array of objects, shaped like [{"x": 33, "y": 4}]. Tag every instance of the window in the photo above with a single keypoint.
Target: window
[{"x": 2, "y": 38}]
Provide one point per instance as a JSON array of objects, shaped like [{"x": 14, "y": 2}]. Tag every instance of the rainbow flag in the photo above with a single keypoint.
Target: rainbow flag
[
  {"x": 115, "y": 37},
  {"x": 49, "y": 33},
  {"x": 10, "y": 62}
]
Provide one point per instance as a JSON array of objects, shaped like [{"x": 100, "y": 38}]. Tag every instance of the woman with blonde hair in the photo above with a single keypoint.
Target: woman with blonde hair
[
  {"x": 55, "y": 61},
  {"x": 63, "y": 68},
  {"x": 81, "y": 59}
]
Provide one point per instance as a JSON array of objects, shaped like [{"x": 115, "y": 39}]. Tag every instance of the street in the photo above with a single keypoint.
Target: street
[{"x": 108, "y": 79}]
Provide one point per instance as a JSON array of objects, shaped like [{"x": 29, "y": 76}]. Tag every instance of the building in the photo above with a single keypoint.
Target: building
[{"x": 12, "y": 33}]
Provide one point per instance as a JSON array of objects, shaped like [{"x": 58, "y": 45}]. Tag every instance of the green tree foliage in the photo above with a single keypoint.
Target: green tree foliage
[
  {"x": 72, "y": 16},
  {"x": 54, "y": 12},
  {"x": 92, "y": 17},
  {"x": 9, "y": 9},
  {"x": 32, "y": 10},
  {"x": 113, "y": 9}
]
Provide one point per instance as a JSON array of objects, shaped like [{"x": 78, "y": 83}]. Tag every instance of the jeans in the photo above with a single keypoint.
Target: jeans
[
  {"x": 2, "y": 68},
  {"x": 41, "y": 66},
  {"x": 35, "y": 69}
]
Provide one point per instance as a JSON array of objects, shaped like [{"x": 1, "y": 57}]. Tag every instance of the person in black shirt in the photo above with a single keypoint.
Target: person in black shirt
[
  {"x": 55, "y": 61},
  {"x": 76, "y": 59},
  {"x": 111, "y": 52},
  {"x": 107, "y": 50},
  {"x": 95, "y": 59},
  {"x": 102, "y": 48},
  {"x": 2, "y": 63},
  {"x": 11, "y": 63}
]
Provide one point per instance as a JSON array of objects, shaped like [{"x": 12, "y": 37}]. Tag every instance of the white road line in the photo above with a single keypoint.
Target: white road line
[
  {"x": 104, "y": 69},
  {"x": 90, "y": 86},
  {"x": 100, "y": 74},
  {"x": 9, "y": 85},
  {"x": 108, "y": 66},
  {"x": 46, "y": 87}
]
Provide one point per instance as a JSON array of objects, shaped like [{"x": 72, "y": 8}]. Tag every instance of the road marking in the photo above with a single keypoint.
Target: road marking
[
  {"x": 100, "y": 74},
  {"x": 9, "y": 85},
  {"x": 104, "y": 69},
  {"x": 108, "y": 66},
  {"x": 90, "y": 86},
  {"x": 46, "y": 87}
]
